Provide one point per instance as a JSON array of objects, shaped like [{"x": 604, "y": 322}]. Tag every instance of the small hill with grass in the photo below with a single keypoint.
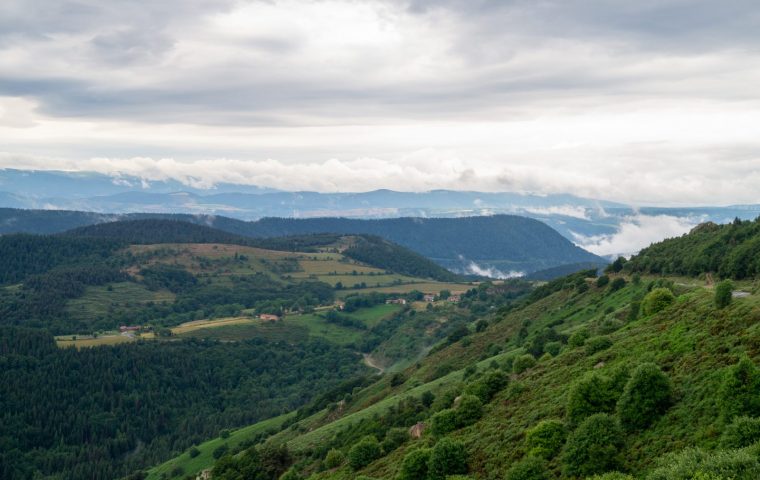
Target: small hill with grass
[{"x": 629, "y": 375}]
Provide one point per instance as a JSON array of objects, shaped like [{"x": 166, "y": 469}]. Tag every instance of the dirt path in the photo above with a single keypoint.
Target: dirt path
[{"x": 368, "y": 361}]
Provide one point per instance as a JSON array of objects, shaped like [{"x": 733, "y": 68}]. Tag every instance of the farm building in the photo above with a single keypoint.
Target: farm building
[
  {"x": 396, "y": 301},
  {"x": 454, "y": 298},
  {"x": 429, "y": 297},
  {"x": 131, "y": 328},
  {"x": 269, "y": 317}
]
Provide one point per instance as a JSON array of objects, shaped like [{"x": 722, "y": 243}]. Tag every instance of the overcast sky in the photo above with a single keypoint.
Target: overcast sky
[{"x": 648, "y": 102}]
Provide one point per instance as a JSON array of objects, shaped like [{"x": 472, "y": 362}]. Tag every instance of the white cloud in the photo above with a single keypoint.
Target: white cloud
[
  {"x": 490, "y": 272},
  {"x": 601, "y": 101},
  {"x": 566, "y": 210},
  {"x": 635, "y": 233}
]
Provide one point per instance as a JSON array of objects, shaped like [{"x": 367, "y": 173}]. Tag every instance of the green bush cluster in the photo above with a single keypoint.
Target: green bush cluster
[
  {"x": 694, "y": 463},
  {"x": 577, "y": 339},
  {"x": 363, "y": 453},
  {"x": 468, "y": 410},
  {"x": 545, "y": 440},
  {"x": 488, "y": 385},
  {"x": 334, "y": 459},
  {"x": 742, "y": 432},
  {"x": 646, "y": 396},
  {"x": 738, "y": 393},
  {"x": 448, "y": 457},
  {"x": 597, "y": 344},
  {"x": 415, "y": 465},
  {"x": 529, "y": 468},
  {"x": 723, "y": 293},
  {"x": 594, "y": 447},
  {"x": 522, "y": 363},
  {"x": 657, "y": 300}
]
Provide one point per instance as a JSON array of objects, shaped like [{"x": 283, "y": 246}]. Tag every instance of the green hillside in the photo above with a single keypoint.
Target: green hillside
[{"x": 650, "y": 376}]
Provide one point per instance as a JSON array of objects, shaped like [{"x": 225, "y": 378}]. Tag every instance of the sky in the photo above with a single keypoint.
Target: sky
[{"x": 653, "y": 102}]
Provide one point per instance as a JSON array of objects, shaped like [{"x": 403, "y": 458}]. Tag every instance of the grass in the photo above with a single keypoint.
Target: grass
[
  {"x": 212, "y": 324},
  {"x": 107, "y": 338},
  {"x": 422, "y": 286},
  {"x": 193, "y": 466},
  {"x": 319, "y": 327},
  {"x": 374, "y": 315},
  {"x": 98, "y": 301}
]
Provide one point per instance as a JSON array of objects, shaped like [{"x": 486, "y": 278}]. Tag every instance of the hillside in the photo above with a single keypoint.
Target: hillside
[
  {"x": 502, "y": 243},
  {"x": 731, "y": 250},
  {"x": 644, "y": 375},
  {"x": 118, "y": 352},
  {"x": 370, "y": 250}
]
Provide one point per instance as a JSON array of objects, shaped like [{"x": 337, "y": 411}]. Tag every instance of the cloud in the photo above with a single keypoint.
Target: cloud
[
  {"x": 649, "y": 102},
  {"x": 565, "y": 210},
  {"x": 491, "y": 272},
  {"x": 636, "y": 232}
]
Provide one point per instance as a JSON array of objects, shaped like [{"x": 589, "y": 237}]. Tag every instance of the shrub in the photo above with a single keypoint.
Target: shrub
[
  {"x": 444, "y": 422},
  {"x": 743, "y": 432},
  {"x": 427, "y": 398},
  {"x": 597, "y": 344},
  {"x": 394, "y": 438},
  {"x": 220, "y": 451},
  {"x": 177, "y": 471},
  {"x": 488, "y": 385},
  {"x": 611, "y": 476},
  {"x": 194, "y": 452},
  {"x": 577, "y": 339},
  {"x": 646, "y": 396},
  {"x": 447, "y": 458},
  {"x": 522, "y": 363},
  {"x": 334, "y": 459},
  {"x": 364, "y": 452},
  {"x": 594, "y": 447},
  {"x": 415, "y": 465},
  {"x": 657, "y": 300},
  {"x": 469, "y": 410},
  {"x": 602, "y": 281},
  {"x": 545, "y": 440},
  {"x": 694, "y": 463},
  {"x": 633, "y": 311},
  {"x": 291, "y": 474},
  {"x": 529, "y": 468},
  {"x": 553, "y": 348},
  {"x": 593, "y": 393},
  {"x": 225, "y": 433},
  {"x": 617, "y": 284},
  {"x": 723, "y": 292},
  {"x": 738, "y": 391}
]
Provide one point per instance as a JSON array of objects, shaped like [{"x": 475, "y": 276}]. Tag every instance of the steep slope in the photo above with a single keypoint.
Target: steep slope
[
  {"x": 585, "y": 376},
  {"x": 731, "y": 250}
]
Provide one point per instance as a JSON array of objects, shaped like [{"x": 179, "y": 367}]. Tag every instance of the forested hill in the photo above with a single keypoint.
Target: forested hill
[
  {"x": 368, "y": 249},
  {"x": 503, "y": 242},
  {"x": 151, "y": 231},
  {"x": 730, "y": 250},
  {"x": 506, "y": 242}
]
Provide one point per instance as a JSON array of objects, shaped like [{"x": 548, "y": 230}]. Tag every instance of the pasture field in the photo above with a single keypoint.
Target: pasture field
[
  {"x": 99, "y": 301},
  {"x": 319, "y": 327},
  {"x": 275, "y": 331},
  {"x": 373, "y": 315},
  {"x": 422, "y": 286},
  {"x": 108, "y": 338},
  {"x": 205, "y": 459},
  {"x": 210, "y": 324}
]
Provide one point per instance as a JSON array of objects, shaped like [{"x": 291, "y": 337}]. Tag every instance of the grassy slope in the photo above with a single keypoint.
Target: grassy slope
[
  {"x": 691, "y": 341},
  {"x": 205, "y": 459}
]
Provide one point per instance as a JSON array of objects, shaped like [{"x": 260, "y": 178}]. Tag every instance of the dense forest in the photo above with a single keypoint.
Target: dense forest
[
  {"x": 731, "y": 250},
  {"x": 508, "y": 241},
  {"x": 102, "y": 413}
]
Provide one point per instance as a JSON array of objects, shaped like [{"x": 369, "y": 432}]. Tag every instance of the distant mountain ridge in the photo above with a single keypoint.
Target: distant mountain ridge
[{"x": 494, "y": 245}]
